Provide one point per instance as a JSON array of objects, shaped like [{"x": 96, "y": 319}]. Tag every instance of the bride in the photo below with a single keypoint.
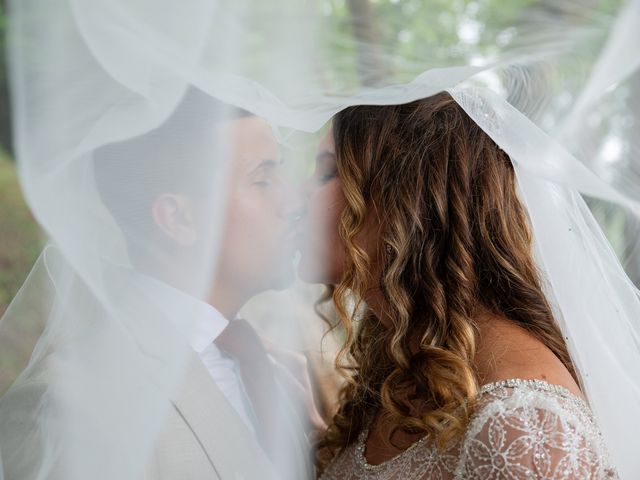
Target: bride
[{"x": 458, "y": 368}]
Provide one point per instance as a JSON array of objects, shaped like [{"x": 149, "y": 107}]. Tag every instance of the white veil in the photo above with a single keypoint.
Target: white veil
[{"x": 115, "y": 101}]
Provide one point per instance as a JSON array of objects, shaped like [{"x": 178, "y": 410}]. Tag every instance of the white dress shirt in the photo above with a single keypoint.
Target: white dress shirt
[{"x": 207, "y": 325}]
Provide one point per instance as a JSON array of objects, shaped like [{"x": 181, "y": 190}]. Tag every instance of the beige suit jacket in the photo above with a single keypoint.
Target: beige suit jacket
[{"x": 203, "y": 438}]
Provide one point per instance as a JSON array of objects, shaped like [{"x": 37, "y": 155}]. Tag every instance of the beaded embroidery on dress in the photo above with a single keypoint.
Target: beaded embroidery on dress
[{"x": 521, "y": 429}]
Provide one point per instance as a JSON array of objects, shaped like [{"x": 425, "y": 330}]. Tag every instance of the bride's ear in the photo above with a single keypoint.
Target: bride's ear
[{"x": 173, "y": 215}]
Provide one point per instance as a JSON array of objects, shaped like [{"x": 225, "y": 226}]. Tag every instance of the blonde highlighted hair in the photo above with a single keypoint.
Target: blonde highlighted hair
[{"x": 454, "y": 237}]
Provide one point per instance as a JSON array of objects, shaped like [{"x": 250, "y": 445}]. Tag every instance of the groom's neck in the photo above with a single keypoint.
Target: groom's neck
[{"x": 227, "y": 301}]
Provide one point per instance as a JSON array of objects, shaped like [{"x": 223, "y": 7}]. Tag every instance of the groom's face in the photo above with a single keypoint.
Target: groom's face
[
  {"x": 257, "y": 244},
  {"x": 253, "y": 221}
]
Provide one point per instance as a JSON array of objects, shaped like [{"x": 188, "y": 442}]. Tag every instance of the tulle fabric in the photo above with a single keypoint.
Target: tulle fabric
[{"x": 91, "y": 381}]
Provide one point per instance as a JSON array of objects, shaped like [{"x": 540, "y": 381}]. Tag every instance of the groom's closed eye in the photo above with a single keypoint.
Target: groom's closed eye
[{"x": 266, "y": 172}]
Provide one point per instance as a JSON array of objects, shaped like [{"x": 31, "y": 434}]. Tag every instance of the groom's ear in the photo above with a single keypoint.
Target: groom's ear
[{"x": 173, "y": 215}]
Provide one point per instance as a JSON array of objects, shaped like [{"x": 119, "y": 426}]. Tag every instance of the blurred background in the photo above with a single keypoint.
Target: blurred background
[
  {"x": 20, "y": 237},
  {"x": 448, "y": 32}
]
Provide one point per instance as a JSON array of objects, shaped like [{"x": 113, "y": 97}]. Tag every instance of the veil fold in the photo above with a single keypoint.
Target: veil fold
[{"x": 92, "y": 362}]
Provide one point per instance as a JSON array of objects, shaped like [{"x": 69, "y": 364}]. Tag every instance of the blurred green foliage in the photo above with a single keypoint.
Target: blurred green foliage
[
  {"x": 374, "y": 34},
  {"x": 20, "y": 238},
  {"x": 5, "y": 109}
]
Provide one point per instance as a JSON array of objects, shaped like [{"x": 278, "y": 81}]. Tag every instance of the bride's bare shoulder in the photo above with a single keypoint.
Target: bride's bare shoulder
[{"x": 507, "y": 351}]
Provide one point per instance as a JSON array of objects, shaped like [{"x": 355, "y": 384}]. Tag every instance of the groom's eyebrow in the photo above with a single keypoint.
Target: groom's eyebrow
[{"x": 266, "y": 163}]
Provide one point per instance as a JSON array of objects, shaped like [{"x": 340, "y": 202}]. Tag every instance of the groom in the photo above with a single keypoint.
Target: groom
[{"x": 231, "y": 418}]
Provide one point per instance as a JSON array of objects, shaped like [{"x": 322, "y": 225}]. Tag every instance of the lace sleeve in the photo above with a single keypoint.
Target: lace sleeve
[{"x": 534, "y": 437}]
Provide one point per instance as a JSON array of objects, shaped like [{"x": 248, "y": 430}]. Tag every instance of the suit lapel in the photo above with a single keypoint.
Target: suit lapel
[
  {"x": 230, "y": 445},
  {"x": 231, "y": 448}
]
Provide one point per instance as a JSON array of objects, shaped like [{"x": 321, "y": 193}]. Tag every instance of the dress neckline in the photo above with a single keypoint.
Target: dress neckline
[{"x": 540, "y": 385}]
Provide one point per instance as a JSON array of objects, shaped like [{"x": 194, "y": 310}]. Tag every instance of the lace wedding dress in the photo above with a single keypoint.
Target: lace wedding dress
[{"x": 521, "y": 429}]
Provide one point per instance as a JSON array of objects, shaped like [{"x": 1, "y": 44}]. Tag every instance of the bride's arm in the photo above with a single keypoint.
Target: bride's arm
[{"x": 533, "y": 442}]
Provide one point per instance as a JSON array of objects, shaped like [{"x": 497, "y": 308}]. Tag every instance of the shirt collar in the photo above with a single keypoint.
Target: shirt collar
[{"x": 208, "y": 321}]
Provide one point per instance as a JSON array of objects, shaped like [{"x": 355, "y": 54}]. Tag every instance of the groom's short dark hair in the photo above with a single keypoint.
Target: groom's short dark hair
[{"x": 171, "y": 158}]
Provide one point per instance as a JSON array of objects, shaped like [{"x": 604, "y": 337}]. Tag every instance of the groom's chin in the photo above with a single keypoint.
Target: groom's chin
[{"x": 312, "y": 273}]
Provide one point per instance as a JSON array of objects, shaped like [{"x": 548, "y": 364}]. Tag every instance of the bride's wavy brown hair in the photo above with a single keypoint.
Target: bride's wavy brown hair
[{"x": 455, "y": 238}]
